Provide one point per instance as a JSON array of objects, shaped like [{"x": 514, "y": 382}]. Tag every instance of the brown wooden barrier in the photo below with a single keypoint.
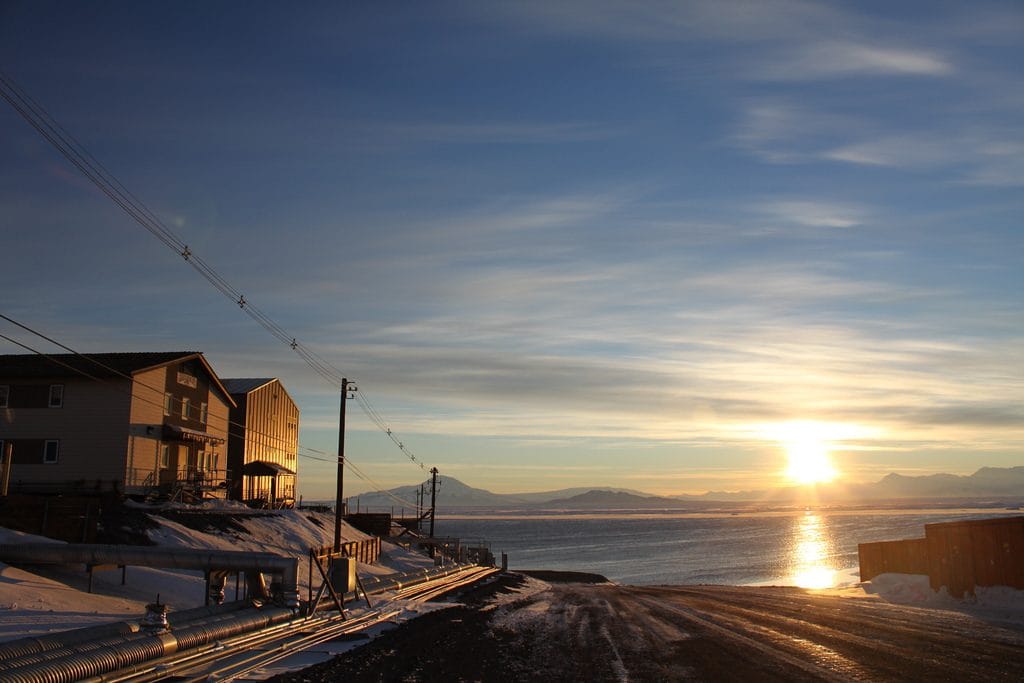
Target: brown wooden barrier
[
  {"x": 958, "y": 555},
  {"x": 983, "y": 552},
  {"x": 893, "y": 557}
]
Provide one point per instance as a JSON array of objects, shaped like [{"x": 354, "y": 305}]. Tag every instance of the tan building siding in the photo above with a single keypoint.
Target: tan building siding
[
  {"x": 272, "y": 420},
  {"x": 268, "y": 432},
  {"x": 145, "y": 430},
  {"x": 217, "y": 425},
  {"x": 148, "y": 397},
  {"x": 88, "y": 428}
]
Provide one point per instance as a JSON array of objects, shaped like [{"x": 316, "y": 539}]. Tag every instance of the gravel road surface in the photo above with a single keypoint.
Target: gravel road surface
[{"x": 579, "y": 631}]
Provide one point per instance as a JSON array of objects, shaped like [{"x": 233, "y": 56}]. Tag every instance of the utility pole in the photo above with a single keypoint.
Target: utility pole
[
  {"x": 339, "y": 499},
  {"x": 433, "y": 498},
  {"x": 8, "y": 459}
]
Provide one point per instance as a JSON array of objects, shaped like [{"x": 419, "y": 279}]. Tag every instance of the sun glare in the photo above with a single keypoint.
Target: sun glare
[
  {"x": 809, "y": 461},
  {"x": 808, "y": 453}
]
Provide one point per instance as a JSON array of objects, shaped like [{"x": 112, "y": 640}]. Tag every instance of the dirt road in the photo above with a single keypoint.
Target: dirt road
[{"x": 600, "y": 632}]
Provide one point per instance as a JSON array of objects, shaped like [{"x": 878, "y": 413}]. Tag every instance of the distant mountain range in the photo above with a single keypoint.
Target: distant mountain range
[{"x": 991, "y": 485}]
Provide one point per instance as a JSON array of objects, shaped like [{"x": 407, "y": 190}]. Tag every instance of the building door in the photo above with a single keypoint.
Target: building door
[{"x": 185, "y": 464}]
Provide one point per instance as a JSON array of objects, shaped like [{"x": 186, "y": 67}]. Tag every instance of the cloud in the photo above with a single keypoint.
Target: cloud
[
  {"x": 983, "y": 152},
  {"x": 573, "y": 368},
  {"x": 781, "y": 131},
  {"x": 841, "y": 59},
  {"x": 911, "y": 150},
  {"x": 813, "y": 214},
  {"x": 979, "y": 156},
  {"x": 664, "y": 21},
  {"x": 476, "y": 132},
  {"x": 788, "y": 40}
]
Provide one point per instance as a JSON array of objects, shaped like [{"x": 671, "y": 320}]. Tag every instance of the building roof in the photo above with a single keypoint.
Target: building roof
[
  {"x": 99, "y": 365},
  {"x": 243, "y": 385},
  {"x": 86, "y": 364}
]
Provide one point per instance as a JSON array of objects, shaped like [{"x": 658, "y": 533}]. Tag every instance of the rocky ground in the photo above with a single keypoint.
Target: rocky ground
[{"x": 577, "y": 628}]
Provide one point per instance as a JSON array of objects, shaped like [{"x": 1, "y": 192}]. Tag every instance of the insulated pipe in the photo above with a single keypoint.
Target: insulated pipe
[
  {"x": 69, "y": 667},
  {"x": 30, "y": 645},
  {"x": 374, "y": 584},
  {"x": 33, "y": 650},
  {"x": 147, "y": 556}
]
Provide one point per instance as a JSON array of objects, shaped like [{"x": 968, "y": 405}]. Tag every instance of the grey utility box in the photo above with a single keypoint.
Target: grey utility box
[{"x": 343, "y": 574}]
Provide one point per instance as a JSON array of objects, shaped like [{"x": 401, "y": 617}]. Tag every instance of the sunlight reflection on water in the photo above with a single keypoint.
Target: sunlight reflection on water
[
  {"x": 807, "y": 548},
  {"x": 811, "y": 553}
]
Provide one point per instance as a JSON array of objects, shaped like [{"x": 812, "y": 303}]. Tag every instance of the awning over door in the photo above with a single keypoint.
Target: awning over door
[
  {"x": 262, "y": 468},
  {"x": 175, "y": 433}
]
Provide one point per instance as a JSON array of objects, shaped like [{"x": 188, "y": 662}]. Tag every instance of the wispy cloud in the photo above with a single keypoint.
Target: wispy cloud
[
  {"x": 910, "y": 150},
  {"x": 823, "y": 60},
  {"x": 782, "y": 131},
  {"x": 791, "y": 39},
  {"x": 813, "y": 214},
  {"x": 977, "y": 157},
  {"x": 480, "y": 132}
]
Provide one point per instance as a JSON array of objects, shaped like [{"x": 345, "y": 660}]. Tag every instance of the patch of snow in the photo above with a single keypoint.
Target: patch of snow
[
  {"x": 535, "y": 616},
  {"x": 995, "y": 603},
  {"x": 529, "y": 588},
  {"x": 43, "y": 599},
  {"x": 395, "y": 559},
  {"x": 12, "y": 536}
]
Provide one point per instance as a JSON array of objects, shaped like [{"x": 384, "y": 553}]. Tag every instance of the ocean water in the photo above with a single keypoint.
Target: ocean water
[{"x": 808, "y": 548}]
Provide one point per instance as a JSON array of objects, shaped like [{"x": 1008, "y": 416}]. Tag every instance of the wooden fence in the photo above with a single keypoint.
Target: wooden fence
[
  {"x": 985, "y": 552},
  {"x": 65, "y": 518},
  {"x": 367, "y": 550},
  {"x": 893, "y": 557},
  {"x": 957, "y": 555}
]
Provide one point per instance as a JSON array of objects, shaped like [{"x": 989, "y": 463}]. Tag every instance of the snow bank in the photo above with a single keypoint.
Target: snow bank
[
  {"x": 285, "y": 532},
  {"x": 529, "y": 588},
  {"x": 998, "y": 603}
]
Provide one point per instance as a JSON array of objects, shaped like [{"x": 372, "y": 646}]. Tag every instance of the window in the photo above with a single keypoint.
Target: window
[
  {"x": 165, "y": 456},
  {"x": 5, "y": 395},
  {"x": 56, "y": 395},
  {"x": 168, "y": 402},
  {"x": 203, "y": 409},
  {"x": 51, "y": 448},
  {"x": 186, "y": 408}
]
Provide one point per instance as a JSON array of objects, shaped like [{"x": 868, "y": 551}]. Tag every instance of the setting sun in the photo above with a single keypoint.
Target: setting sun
[
  {"x": 809, "y": 461},
  {"x": 808, "y": 446}
]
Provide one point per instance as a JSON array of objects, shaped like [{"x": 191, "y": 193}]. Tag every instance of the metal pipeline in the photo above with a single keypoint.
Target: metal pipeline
[
  {"x": 23, "y": 647},
  {"x": 91, "y": 652},
  {"x": 68, "y": 666},
  {"x": 376, "y": 584},
  {"x": 285, "y": 568},
  {"x": 34, "y": 650}
]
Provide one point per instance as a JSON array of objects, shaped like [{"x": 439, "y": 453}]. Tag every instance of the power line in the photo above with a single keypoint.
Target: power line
[{"x": 106, "y": 182}]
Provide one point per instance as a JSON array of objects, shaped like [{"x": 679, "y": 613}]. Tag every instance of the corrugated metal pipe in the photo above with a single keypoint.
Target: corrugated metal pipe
[
  {"x": 377, "y": 584},
  {"x": 254, "y": 564},
  {"x": 74, "y": 665},
  {"x": 36, "y": 648}
]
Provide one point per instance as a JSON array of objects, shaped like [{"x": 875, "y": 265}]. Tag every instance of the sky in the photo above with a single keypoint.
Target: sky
[{"x": 651, "y": 245}]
